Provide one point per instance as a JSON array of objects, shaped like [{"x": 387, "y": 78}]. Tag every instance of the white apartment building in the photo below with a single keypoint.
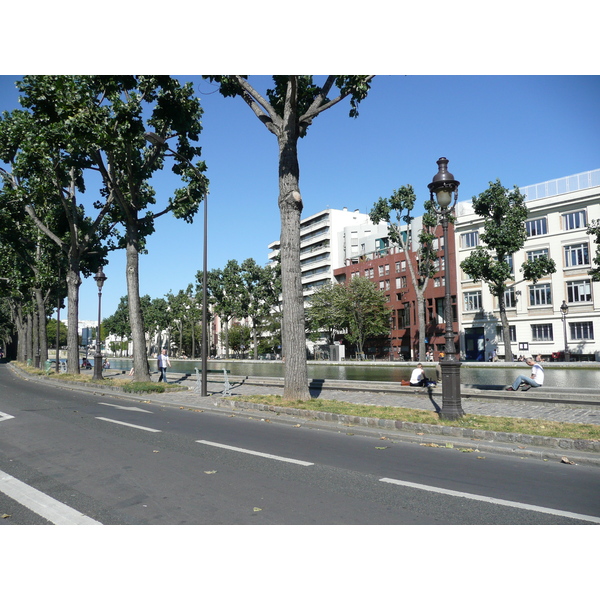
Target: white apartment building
[
  {"x": 323, "y": 244},
  {"x": 559, "y": 213}
]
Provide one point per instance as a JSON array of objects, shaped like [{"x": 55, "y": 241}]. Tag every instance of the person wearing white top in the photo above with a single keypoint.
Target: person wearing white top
[
  {"x": 163, "y": 363},
  {"x": 418, "y": 377},
  {"x": 536, "y": 379}
]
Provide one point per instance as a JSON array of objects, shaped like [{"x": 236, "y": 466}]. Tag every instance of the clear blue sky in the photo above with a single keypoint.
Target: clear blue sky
[{"x": 520, "y": 129}]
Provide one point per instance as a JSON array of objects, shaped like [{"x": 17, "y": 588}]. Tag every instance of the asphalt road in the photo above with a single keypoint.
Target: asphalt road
[{"x": 83, "y": 457}]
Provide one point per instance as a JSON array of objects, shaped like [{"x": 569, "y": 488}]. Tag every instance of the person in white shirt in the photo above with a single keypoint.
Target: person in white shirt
[
  {"x": 418, "y": 377},
  {"x": 536, "y": 379},
  {"x": 163, "y": 363}
]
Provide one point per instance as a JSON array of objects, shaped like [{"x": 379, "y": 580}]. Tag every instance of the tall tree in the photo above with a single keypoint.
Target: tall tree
[
  {"x": 367, "y": 312},
  {"x": 504, "y": 213},
  {"x": 225, "y": 289},
  {"x": 287, "y": 111},
  {"x": 326, "y": 311},
  {"x": 397, "y": 212},
  {"x": 109, "y": 119},
  {"x": 45, "y": 178},
  {"x": 261, "y": 289}
]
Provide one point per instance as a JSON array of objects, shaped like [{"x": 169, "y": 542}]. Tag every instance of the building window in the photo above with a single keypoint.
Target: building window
[
  {"x": 380, "y": 270},
  {"x": 403, "y": 265},
  {"x": 382, "y": 285},
  {"x": 582, "y": 331},
  {"x": 510, "y": 298},
  {"x": 472, "y": 301},
  {"x": 577, "y": 255},
  {"x": 542, "y": 332},
  {"x": 575, "y": 220},
  {"x": 540, "y": 294},
  {"x": 387, "y": 269},
  {"x": 579, "y": 291},
  {"x": 404, "y": 316},
  {"x": 533, "y": 254},
  {"x": 537, "y": 226},
  {"x": 500, "y": 333},
  {"x": 470, "y": 240},
  {"x": 397, "y": 267}
]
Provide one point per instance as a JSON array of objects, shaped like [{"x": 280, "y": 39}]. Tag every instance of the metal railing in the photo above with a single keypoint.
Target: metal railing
[{"x": 554, "y": 187}]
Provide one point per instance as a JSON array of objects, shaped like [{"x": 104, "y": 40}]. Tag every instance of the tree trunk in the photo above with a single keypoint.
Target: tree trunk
[
  {"x": 136, "y": 320},
  {"x": 42, "y": 323},
  {"x": 422, "y": 323},
  {"x": 290, "y": 208},
  {"x": 73, "y": 283},
  {"x": 508, "y": 356},
  {"x": 29, "y": 338}
]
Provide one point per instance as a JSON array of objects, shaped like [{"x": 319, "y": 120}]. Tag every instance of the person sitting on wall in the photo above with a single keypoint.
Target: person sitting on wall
[
  {"x": 418, "y": 377},
  {"x": 536, "y": 379}
]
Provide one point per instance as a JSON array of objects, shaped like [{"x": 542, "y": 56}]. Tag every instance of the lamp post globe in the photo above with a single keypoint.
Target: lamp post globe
[
  {"x": 100, "y": 278},
  {"x": 445, "y": 189}
]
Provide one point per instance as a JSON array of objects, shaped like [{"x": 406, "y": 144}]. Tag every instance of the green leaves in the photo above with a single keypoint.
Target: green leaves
[{"x": 360, "y": 308}]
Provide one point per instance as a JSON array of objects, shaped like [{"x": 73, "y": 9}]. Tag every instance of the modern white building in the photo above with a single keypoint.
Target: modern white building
[
  {"x": 325, "y": 237},
  {"x": 559, "y": 214}
]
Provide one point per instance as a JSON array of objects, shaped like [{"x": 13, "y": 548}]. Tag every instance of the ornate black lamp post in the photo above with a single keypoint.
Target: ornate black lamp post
[
  {"x": 100, "y": 278},
  {"x": 564, "y": 309},
  {"x": 445, "y": 188},
  {"x": 158, "y": 141}
]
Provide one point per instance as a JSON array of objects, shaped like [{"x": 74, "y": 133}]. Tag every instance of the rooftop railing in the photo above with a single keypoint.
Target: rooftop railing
[{"x": 554, "y": 187}]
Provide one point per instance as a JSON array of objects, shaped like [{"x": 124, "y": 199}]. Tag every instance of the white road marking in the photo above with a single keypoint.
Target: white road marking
[
  {"x": 129, "y": 424},
  {"x": 126, "y": 407},
  {"x": 491, "y": 500},
  {"x": 272, "y": 456},
  {"x": 54, "y": 511},
  {"x": 5, "y": 416}
]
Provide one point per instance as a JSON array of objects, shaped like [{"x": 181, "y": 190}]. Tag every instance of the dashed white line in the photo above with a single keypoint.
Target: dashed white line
[
  {"x": 491, "y": 500},
  {"x": 129, "y": 424},
  {"x": 132, "y": 408},
  {"x": 54, "y": 511},
  {"x": 5, "y": 416},
  {"x": 262, "y": 454}
]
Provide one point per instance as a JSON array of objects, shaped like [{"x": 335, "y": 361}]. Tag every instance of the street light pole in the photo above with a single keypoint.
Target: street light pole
[
  {"x": 159, "y": 142},
  {"x": 445, "y": 188},
  {"x": 100, "y": 278},
  {"x": 564, "y": 309}
]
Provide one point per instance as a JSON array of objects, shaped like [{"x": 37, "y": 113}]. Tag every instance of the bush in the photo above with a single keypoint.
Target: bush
[{"x": 148, "y": 387}]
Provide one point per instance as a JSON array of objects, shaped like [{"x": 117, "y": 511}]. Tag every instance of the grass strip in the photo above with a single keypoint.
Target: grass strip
[
  {"x": 135, "y": 387},
  {"x": 577, "y": 431}
]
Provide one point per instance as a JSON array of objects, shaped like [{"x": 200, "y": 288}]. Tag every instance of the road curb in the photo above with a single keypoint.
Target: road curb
[{"x": 458, "y": 434}]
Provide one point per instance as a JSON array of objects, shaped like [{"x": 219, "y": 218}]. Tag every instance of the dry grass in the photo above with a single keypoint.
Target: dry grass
[{"x": 501, "y": 424}]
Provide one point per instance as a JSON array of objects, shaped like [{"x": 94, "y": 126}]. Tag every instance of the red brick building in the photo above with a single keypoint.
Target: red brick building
[{"x": 388, "y": 268}]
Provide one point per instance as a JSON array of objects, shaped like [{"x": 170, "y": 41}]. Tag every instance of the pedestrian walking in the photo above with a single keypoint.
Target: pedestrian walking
[{"x": 163, "y": 363}]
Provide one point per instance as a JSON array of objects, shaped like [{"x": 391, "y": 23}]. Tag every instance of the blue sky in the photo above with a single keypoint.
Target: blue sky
[{"x": 520, "y": 129}]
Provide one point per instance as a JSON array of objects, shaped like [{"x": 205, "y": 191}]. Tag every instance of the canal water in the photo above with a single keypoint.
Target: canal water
[{"x": 573, "y": 376}]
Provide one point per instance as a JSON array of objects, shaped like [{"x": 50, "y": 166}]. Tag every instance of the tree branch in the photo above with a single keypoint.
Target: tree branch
[
  {"x": 313, "y": 111},
  {"x": 259, "y": 105}
]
